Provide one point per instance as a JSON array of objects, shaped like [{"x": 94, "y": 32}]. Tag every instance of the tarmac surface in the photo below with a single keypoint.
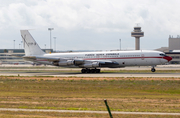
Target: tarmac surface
[
  {"x": 64, "y": 74},
  {"x": 79, "y": 74}
]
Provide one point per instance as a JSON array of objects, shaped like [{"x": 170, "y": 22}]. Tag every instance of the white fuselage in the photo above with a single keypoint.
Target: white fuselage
[
  {"x": 123, "y": 58},
  {"x": 90, "y": 61}
]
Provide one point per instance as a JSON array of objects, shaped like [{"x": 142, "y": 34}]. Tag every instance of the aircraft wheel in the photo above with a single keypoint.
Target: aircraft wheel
[
  {"x": 98, "y": 70},
  {"x": 153, "y": 69},
  {"x": 88, "y": 70},
  {"x": 93, "y": 70},
  {"x": 83, "y": 71}
]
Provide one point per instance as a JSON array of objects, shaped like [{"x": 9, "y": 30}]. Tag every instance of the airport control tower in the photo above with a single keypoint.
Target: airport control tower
[{"x": 137, "y": 34}]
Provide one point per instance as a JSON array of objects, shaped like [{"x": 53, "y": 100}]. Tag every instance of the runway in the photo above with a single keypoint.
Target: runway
[{"x": 60, "y": 72}]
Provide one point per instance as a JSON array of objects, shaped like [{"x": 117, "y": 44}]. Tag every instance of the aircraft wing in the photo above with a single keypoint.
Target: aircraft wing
[
  {"x": 77, "y": 62},
  {"x": 51, "y": 59},
  {"x": 104, "y": 63}
]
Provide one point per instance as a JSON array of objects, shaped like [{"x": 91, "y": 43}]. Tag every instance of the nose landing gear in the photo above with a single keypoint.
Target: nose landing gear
[{"x": 153, "y": 69}]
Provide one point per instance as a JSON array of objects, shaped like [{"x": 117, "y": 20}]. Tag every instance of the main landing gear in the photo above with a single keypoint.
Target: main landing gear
[
  {"x": 90, "y": 70},
  {"x": 153, "y": 69}
]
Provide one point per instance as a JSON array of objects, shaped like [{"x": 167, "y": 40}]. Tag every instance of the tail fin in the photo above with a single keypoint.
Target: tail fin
[{"x": 30, "y": 45}]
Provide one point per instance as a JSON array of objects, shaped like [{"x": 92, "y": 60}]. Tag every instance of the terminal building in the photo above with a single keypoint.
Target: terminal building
[
  {"x": 174, "y": 49},
  {"x": 7, "y": 58},
  {"x": 174, "y": 43}
]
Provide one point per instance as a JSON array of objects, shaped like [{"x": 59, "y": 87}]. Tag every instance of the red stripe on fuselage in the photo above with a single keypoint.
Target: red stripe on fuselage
[
  {"x": 121, "y": 58},
  {"x": 113, "y": 58}
]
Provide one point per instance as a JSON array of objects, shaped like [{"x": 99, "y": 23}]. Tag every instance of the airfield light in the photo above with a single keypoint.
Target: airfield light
[
  {"x": 14, "y": 43},
  {"x": 21, "y": 44},
  {"x": 54, "y": 43},
  {"x": 50, "y": 35},
  {"x": 120, "y": 43}
]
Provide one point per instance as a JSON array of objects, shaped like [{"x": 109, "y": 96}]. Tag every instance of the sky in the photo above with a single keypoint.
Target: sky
[{"x": 89, "y": 24}]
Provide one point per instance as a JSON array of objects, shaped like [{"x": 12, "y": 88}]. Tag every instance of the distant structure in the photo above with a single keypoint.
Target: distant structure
[
  {"x": 174, "y": 49},
  {"x": 137, "y": 33},
  {"x": 174, "y": 43},
  {"x": 7, "y": 56}
]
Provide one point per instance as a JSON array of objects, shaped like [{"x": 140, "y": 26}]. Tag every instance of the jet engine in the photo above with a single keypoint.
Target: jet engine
[
  {"x": 64, "y": 63},
  {"x": 90, "y": 65}
]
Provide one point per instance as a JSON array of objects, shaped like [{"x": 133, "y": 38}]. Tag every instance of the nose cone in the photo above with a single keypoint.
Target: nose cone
[{"x": 168, "y": 58}]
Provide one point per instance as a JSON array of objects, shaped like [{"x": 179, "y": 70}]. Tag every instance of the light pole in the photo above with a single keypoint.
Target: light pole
[
  {"x": 120, "y": 43},
  {"x": 21, "y": 44},
  {"x": 50, "y": 35},
  {"x": 45, "y": 46},
  {"x": 14, "y": 44},
  {"x": 55, "y": 44}
]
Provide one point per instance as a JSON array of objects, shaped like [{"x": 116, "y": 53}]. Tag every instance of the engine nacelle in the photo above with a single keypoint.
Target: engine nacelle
[
  {"x": 64, "y": 63},
  {"x": 90, "y": 65}
]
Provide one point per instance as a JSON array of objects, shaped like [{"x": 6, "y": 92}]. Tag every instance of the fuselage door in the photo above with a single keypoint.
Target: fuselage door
[{"x": 142, "y": 56}]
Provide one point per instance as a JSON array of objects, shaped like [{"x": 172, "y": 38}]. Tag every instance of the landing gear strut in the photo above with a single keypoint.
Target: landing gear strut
[
  {"x": 153, "y": 69},
  {"x": 90, "y": 70}
]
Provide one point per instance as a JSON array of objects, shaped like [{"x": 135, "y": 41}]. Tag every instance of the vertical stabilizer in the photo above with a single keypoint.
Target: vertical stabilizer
[{"x": 30, "y": 46}]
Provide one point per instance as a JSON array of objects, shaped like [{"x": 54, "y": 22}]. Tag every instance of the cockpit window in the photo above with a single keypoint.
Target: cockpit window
[{"x": 162, "y": 54}]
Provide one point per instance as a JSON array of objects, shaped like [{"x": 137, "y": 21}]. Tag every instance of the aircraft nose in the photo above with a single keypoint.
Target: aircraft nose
[{"x": 168, "y": 58}]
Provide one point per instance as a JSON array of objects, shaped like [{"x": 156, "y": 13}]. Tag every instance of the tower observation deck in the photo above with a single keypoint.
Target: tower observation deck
[{"x": 137, "y": 33}]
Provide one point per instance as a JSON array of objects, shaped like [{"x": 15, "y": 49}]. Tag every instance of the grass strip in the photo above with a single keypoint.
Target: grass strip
[{"x": 122, "y": 95}]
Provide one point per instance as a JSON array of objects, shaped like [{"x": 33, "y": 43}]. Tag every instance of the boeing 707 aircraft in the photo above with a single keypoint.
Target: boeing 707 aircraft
[{"x": 91, "y": 62}]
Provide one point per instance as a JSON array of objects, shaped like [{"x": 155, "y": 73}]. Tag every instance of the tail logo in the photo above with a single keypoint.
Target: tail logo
[
  {"x": 24, "y": 40},
  {"x": 28, "y": 44},
  {"x": 31, "y": 43}
]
